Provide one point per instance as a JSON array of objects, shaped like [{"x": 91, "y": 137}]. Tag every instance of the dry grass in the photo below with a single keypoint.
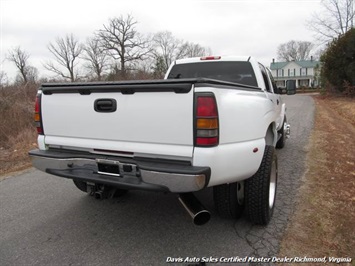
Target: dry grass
[
  {"x": 17, "y": 130},
  {"x": 344, "y": 107},
  {"x": 324, "y": 222}
]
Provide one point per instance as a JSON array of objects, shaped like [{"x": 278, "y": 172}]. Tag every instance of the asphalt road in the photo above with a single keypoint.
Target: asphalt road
[{"x": 45, "y": 220}]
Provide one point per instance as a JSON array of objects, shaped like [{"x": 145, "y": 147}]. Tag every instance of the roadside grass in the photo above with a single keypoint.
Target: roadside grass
[
  {"x": 345, "y": 108},
  {"x": 324, "y": 221},
  {"x": 17, "y": 129}
]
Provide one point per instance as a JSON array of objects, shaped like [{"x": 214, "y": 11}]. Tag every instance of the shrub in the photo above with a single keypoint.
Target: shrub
[
  {"x": 339, "y": 63},
  {"x": 17, "y": 111}
]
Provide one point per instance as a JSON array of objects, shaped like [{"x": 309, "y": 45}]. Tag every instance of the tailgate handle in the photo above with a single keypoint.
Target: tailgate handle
[{"x": 105, "y": 105}]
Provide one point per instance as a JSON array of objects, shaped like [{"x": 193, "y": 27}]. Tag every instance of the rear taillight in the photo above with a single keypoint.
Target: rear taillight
[
  {"x": 206, "y": 120},
  {"x": 38, "y": 117}
]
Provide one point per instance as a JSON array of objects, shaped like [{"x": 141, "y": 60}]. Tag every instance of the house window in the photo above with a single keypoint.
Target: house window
[
  {"x": 292, "y": 72},
  {"x": 303, "y": 71},
  {"x": 280, "y": 73}
]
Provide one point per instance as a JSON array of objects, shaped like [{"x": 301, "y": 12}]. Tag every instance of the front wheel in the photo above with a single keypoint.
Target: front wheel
[{"x": 260, "y": 189}]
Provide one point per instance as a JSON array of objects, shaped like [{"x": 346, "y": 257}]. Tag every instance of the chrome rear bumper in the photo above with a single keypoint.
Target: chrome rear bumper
[{"x": 131, "y": 174}]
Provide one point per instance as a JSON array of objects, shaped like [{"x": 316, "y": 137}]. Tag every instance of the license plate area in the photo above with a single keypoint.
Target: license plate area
[{"x": 116, "y": 168}]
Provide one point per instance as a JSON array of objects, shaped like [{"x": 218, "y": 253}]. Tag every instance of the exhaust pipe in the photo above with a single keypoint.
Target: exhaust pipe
[{"x": 195, "y": 209}]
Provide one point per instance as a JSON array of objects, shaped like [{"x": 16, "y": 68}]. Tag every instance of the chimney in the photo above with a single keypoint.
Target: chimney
[
  {"x": 311, "y": 57},
  {"x": 273, "y": 60}
]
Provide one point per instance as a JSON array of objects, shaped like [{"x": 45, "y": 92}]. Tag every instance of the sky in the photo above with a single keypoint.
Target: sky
[{"x": 228, "y": 27}]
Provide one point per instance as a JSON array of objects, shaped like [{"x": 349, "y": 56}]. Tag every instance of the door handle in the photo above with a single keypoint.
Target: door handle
[
  {"x": 277, "y": 101},
  {"x": 105, "y": 105}
]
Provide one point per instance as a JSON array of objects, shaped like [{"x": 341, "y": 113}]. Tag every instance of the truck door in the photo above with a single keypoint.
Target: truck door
[{"x": 275, "y": 98}]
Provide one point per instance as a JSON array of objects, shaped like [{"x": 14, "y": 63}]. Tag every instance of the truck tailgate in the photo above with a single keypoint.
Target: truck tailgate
[{"x": 156, "y": 120}]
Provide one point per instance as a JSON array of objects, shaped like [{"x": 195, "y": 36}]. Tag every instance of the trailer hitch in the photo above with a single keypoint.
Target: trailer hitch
[{"x": 99, "y": 191}]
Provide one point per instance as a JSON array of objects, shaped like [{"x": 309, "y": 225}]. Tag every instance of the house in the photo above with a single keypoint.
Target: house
[{"x": 305, "y": 72}]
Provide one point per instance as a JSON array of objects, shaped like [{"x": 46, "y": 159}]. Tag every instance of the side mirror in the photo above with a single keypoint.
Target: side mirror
[{"x": 290, "y": 87}]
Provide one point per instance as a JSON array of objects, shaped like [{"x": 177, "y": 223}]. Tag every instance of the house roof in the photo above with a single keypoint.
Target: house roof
[
  {"x": 303, "y": 64},
  {"x": 278, "y": 65}
]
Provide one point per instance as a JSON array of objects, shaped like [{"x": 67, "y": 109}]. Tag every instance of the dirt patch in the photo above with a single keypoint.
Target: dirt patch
[{"x": 324, "y": 221}]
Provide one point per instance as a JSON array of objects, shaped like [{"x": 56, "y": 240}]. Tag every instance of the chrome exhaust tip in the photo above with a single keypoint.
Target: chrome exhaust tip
[{"x": 194, "y": 208}]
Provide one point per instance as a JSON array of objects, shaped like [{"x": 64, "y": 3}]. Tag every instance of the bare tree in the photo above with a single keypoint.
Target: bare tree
[
  {"x": 336, "y": 18},
  {"x": 121, "y": 39},
  {"x": 193, "y": 50},
  {"x": 96, "y": 57},
  {"x": 20, "y": 58},
  {"x": 167, "y": 48},
  {"x": 294, "y": 50},
  {"x": 31, "y": 73},
  {"x": 66, "y": 52},
  {"x": 3, "y": 79}
]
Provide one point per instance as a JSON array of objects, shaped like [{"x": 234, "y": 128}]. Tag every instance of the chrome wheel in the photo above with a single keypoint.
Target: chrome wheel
[{"x": 272, "y": 185}]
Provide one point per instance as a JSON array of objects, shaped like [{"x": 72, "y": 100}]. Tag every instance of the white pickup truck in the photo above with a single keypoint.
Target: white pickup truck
[{"x": 212, "y": 122}]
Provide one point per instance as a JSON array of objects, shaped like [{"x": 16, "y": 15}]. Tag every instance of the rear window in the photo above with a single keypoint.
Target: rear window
[{"x": 238, "y": 72}]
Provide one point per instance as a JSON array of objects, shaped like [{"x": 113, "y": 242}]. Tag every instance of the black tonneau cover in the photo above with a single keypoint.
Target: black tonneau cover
[{"x": 131, "y": 87}]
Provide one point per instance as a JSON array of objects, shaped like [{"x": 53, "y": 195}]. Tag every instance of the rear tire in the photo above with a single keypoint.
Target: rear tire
[
  {"x": 229, "y": 199},
  {"x": 260, "y": 189},
  {"x": 80, "y": 185}
]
